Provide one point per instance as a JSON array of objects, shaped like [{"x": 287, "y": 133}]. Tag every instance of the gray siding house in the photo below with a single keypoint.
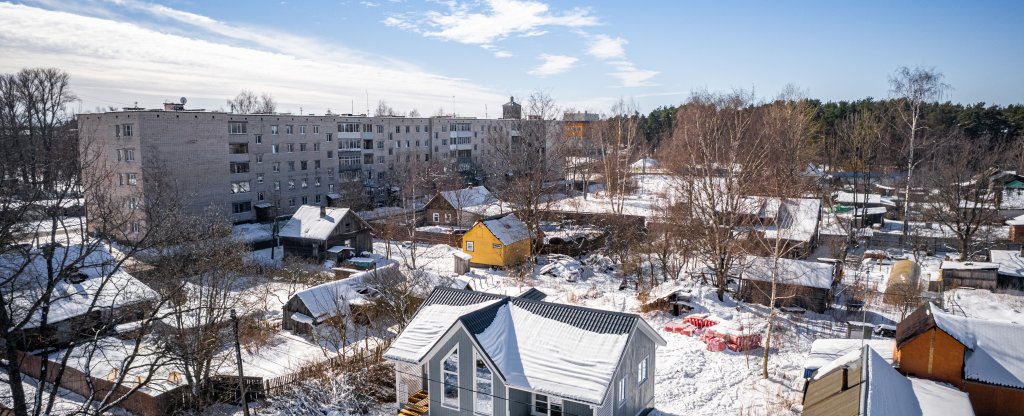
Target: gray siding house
[{"x": 471, "y": 353}]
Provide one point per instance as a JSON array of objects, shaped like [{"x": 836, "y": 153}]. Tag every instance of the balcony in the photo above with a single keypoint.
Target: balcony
[{"x": 350, "y": 135}]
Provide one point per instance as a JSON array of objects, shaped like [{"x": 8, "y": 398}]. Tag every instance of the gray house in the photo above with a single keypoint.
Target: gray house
[{"x": 471, "y": 353}]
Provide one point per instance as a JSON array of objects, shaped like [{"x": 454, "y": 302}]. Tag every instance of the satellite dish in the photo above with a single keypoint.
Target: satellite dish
[{"x": 183, "y": 100}]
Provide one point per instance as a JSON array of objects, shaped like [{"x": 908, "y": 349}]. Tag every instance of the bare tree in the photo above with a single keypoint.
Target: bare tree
[
  {"x": 620, "y": 142},
  {"x": 912, "y": 88},
  {"x": 384, "y": 110},
  {"x": 247, "y": 102}
]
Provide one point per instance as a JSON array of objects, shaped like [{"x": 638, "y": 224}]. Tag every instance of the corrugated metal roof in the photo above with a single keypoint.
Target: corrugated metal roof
[
  {"x": 533, "y": 294},
  {"x": 593, "y": 320},
  {"x": 456, "y": 297}
]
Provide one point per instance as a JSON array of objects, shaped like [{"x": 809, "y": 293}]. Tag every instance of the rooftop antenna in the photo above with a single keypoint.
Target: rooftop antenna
[
  {"x": 352, "y": 110},
  {"x": 367, "y": 92},
  {"x": 183, "y": 100},
  {"x": 453, "y": 106},
  {"x": 300, "y": 110},
  {"x": 485, "y": 110}
]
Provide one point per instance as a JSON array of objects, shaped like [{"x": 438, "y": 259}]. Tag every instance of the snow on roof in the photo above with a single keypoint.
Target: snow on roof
[
  {"x": 993, "y": 355},
  {"x": 940, "y": 399},
  {"x": 462, "y": 255},
  {"x": 109, "y": 285},
  {"x": 968, "y": 265},
  {"x": 307, "y": 223},
  {"x": 333, "y": 298},
  {"x": 477, "y": 200},
  {"x": 824, "y": 351},
  {"x": 426, "y": 328},
  {"x": 796, "y": 219},
  {"x": 791, "y": 272},
  {"x": 851, "y": 198},
  {"x": 650, "y": 163},
  {"x": 549, "y": 356},
  {"x": 889, "y": 392},
  {"x": 1010, "y": 262},
  {"x": 508, "y": 229}
]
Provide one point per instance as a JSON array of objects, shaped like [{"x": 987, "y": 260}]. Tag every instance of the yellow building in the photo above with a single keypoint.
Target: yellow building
[{"x": 501, "y": 242}]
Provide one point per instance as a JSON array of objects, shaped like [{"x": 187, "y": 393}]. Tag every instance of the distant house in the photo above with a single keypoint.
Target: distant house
[
  {"x": 825, "y": 351},
  {"x": 976, "y": 274},
  {"x": 90, "y": 293},
  {"x": 860, "y": 200},
  {"x": 470, "y": 353},
  {"x": 501, "y": 242},
  {"x": 863, "y": 383},
  {"x": 800, "y": 283},
  {"x": 792, "y": 220},
  {"x": 646, "y": 166},
  {"x": 982, "y": 358},
  {"x": 320, "y": 232},
  {"x": 1008, "y": 189},
  {"x": 313, "y": 306},
  {"x": 464, "y": 207},
  {"x": 1016, "y": 225},
  {"x": 1011, "y": 268}
]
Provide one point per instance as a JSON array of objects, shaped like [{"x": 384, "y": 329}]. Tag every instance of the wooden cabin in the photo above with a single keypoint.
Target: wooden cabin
[
  {"x": 322, "y": 232},
  {"x": 463, "y": 207},
  {"x": 982, "y": 358},
  {"x": 800, "y": 283},
  {"x": 979, "y": 275}
]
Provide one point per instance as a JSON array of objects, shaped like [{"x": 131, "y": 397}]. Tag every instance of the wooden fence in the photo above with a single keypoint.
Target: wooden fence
[{"x": 277, "y": 384}]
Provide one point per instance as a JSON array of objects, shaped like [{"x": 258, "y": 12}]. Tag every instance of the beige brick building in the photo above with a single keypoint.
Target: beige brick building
[{"x": 256, "y": 166}]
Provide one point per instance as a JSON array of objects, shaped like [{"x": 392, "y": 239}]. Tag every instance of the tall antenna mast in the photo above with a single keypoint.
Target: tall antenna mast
[{"x": 367, "y": 101}]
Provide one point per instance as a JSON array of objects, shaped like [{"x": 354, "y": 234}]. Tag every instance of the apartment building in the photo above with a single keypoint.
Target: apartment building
[{"x": 256, "y": 166}]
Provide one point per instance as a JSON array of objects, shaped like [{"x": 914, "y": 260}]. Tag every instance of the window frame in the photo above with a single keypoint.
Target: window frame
[
  {"x": 477, "y": 395},
  {"x": 641, "y": 372},
  {"x": 469, "y": 246},
  {"x": 444, "y": 373}
]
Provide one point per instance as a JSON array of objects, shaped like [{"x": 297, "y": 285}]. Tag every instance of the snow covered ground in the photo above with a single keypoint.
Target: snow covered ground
[{"x": 252, "y": 233}]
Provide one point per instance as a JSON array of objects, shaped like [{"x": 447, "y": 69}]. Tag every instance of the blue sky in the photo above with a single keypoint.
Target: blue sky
[{"x": 470, "y": 56}]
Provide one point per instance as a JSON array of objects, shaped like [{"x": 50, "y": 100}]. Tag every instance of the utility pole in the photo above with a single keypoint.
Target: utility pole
[{"x": 238, "y": 358}]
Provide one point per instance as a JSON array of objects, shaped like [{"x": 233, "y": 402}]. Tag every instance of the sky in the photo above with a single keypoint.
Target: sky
[{"x": 469, "y": 57}]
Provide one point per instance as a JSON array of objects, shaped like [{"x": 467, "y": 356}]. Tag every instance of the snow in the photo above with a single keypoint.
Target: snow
[
  {"x": 333, "y": 298},
  {"x": 983, "y": 304},
  {"x": 106, "y": 284},
  {"x": 476, "y": 200},
  {"x": 251, "y": 233},
  {"x": 463, "y": 256},
  {"x": 825, "y": 351},
  {"x": 940, "y": 399},
  {"x": 968, "y": 265},
  {"x": 796, "y": 219},
  {"x": 383, "y": 212},
  {"x": 1010, "y": 262},
  {"x": 508, "y": 229},
  {"x": 442, "y": 229},
  {"x": 849, "y": 198},
  {"x": 548, "y": 356},
  {"x": 431, "y": 322},
  {"x": 791, "y": 272},
  {"x": 889, "y": 392},
  {"x": 307, "y": 222}
]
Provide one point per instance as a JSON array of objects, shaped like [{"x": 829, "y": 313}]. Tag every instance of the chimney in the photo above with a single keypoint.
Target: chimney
[{"x": 323, "y": 211}]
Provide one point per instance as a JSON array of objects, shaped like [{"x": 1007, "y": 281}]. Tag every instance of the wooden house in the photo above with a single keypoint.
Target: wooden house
[
  {"x": 1011, "y": 268},
  {"x": 463, "y": 207},
  {"x": 862, "y": 382},
  {"x": 976, "y": 274},
  {"x": 87, "y": 291},
  {"x": 799, "y": 283},
  {"x": 982, "y": 358},
  {"x": 502, "y": 242},
  {"x": 1016, "y": 227},
  {"x": 472, "y": 353},
  {"x": 309, "y": 308},
  {"x": 318, "y": 232}
]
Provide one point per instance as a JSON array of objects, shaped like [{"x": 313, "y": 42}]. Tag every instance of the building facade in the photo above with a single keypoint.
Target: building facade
[{"x": 255, "y": 166}]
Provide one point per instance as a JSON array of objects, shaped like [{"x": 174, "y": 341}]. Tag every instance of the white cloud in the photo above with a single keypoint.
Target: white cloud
[
  {"x": 117, "y": 62},
  {"x": 369, "y": 4},
  {"x": 607, "y": 47},
  {"x": 554, "y": 64},
  {"x": 499, "y": 19},
  {"x": 631, "y": 76},
  {"x": 502, "y": 54}
]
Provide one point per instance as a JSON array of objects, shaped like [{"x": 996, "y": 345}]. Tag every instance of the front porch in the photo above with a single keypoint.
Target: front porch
[{"x": 416, "y": 405}]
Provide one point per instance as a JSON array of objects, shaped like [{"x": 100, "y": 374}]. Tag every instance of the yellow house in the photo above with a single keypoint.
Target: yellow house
[{"x": 501, "y": 242}]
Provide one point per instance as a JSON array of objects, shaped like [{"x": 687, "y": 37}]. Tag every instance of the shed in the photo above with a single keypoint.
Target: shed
[
  {"x": 979, "y": 275},
  {"x": 801, "y": 283},
  {"x": 461, "y": 262},
  {"x": 502, "y": 242},
  {"x": 904, "y": 283},
  {"x": 314, "y": 306}
]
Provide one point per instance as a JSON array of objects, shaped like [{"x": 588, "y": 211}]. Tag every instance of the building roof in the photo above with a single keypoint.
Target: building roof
[
  {"x": 84, "y": 273},
  {"x": 968, "y": 265},
  {"x": 476, "y": 200},
  {"x": 307, "y": 222},
  {"x": 1010, "y": 262},
  {"x": 334, "y": 298},
  {"x": 825, "y": 351},
  {"x": 796, "y": 219},
  {"x": 508, "y": 229},
  {"x": 992, "y": 352},
  {"x": 564, "y": 350},
  {"x": 791, "y": 272}
]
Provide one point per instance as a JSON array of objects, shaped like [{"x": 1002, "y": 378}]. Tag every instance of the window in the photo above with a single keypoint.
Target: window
[
  {"x": 436, "y": 217},
  {"x": 448, "y": 217},
  {"x": 417, "y": 129},
  {"x": 275, "y": 148},
  {"x": 236, "y": 127},
  {"x": 348, "y": 127},
  {"x": 259, "y": 139},
  {"x": 303, "y": 165},
  {"x": 305, "y": 200},
  {"x": 483, "y": 381},
  {"x": 291, "y": 166},
  {"x": 239, "y": 187},
  {"x": 621, "y": 392},
  {"x": 128, "y": 179},
  {"x": 134, "y": 227},
  {"x": 126, "y": 155},
  {"x": 277, "y": 185},
  {"x": 289, "y": 129},
  {"x": 398, "y": 129},
  {"x": 259, "y": 178},
  {"x": 260, "y": 196},
  {"x": 238, "y": 148},
  {"x": 330, "y": 154},
  {"x": 273, "y": 129},
  {"x": 291, "y": 147},
  {"x": 329, "y": 136},
  {"x": 126, "y": 130},
  {"x": 316, "y": 181},
  {"x": 641, "y": 371},
  {"x": 259, "y": 158},
  {"x": 291, "y": 184},
  {"x": 305, "y": 183},
  {"x": 302, "y": 129},
  {"x": 450, "y": 367},
  {"x": 302, "y": 147},
  {"x": 406, "y": 129},
  {"x": 131, "y": 202},
  {"x": 239, "y": 167},
  {"x": 546, "y": 405},
  {"x": 276, "y": 167},
  {"x": 367, "y": 128},
  {"x": 380, "y": 160},
  {"x": 330, "y": 172},
  {"x": 316, "y": 147},
  {"x": 316, "y": 164},
  {"x": 469, "y": 246},
  {"x": 496, "y": 246},
  {"x": 291, "y": 202},
  {"x": 317, "y": 199},
  {"x": 240, "y": 207},
  {"x": 380, "y": 128},
  {"x": 316, "y": 130},
  {"x": 380, "y": 144}
]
